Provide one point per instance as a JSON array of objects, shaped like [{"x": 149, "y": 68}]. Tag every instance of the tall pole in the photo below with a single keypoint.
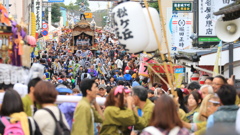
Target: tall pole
[
  {"x": 49, "y": 16},
  {"x": 7, "y": 5},
  {"x": 195, "y": 25},
  {"x": 230, "y": 46}
]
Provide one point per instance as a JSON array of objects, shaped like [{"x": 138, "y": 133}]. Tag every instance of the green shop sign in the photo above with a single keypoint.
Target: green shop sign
[
  {"x": 208, "y": 39},
  {"x": 182, "y": 6}
]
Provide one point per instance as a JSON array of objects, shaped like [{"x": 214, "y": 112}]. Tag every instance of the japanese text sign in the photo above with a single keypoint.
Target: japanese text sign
[
  {"x": 182, "y": 28},
  {"x": 206, "y": 18},
  {"x": 131, "y": 26},
  {"x": 182, "y": 6},
  {"x": 38, "y": 13}
]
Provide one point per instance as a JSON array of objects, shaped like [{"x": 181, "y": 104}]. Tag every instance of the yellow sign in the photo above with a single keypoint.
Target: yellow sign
[
  {"x": 33, "y": 24},
  {"x": 88, "y": 15}
]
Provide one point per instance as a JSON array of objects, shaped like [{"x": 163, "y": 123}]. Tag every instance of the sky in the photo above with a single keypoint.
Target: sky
[{"x": 93, "y": 5}]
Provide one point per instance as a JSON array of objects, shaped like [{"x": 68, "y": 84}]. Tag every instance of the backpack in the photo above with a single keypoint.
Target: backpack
[
  {"x": 61, "y": 128},
  {"x": 12, "y": 128}
]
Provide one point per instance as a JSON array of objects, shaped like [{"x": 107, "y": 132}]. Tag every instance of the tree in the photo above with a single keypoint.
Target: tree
[
  {"x": 56, "y": 14},
  {"x": 99, "y": 14},
  {"x": 78, "y": 2},
  {"x": 154, "y": 5}
]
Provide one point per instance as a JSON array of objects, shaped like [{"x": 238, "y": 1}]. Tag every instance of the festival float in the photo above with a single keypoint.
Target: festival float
[
  {"x": 15, "y": 50},
  {"x": 86, "y": 32}
]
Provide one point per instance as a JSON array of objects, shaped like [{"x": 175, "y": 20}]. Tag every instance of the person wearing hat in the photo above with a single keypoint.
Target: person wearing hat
[{"x": 102, "y": 90}]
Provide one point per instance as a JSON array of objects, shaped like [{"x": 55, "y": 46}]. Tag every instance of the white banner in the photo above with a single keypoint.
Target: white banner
[
  {"x": 181, "y": 32},
  {"x": 38, "y": 13},
  {"x": 207, "y": 20}
]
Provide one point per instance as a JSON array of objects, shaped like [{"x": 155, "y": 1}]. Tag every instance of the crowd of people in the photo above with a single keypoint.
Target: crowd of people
[{"x": 132, "y": 105}]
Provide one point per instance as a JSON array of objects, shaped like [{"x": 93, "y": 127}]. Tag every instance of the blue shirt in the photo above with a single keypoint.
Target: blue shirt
[
  {"x": 127, "y": 77},
  {"x": 120, "y": 79},
  {"x": 135, "y": 83},
  {"x": 210, "y": 121},
  {"x": 68, "y": 110}
]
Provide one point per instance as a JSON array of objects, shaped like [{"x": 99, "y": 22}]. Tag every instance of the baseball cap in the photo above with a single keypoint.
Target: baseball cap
[
  {"x": 64, "y": 90},
  {"x": 102, "y": 86}
]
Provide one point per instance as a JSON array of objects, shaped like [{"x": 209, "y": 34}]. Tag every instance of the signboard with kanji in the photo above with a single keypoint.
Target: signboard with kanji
[
  {"x": 182, "y": 6},
  {"x": 38, "y": 13},
  {"x": 206, "y": 19},
  {"x": 181, "y": 32}
]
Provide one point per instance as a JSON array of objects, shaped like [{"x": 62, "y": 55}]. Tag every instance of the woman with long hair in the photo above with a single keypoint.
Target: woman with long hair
[
  {"x": 202, "y": 115},
  {"x": 165, "y": 119},
  {"x": 194, "y": 102},
  {"x": 209, "y": 105},
  {"x": 12, "y": 112},
  {"x": 181, "y": 100},
  {"x": 117, "y": 117}
]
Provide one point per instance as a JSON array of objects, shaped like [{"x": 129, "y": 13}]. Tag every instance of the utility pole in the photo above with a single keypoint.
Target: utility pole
[
  {"x": 49, "y": 16},
  {"x": 196, "y": 18}
]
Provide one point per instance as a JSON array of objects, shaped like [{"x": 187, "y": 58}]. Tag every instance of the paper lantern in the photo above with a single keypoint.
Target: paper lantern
[
  {"x": 202, "y": 79},
  {"x": 153, "y": 45},
  {"x": 131, "y": 26},
  {"x": 31, "y": 40},
  {"x": 194, "y": 77}
]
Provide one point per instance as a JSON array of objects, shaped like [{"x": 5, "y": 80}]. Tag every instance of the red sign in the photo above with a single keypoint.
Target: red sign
[{"x": 45, "y": 26}]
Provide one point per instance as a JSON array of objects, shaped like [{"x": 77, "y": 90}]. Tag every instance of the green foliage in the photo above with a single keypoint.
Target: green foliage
[
  {"x": 56, "y": 14},
  {"x": 78, "y": 2},
  {"x": 99, "y": 14},
  {"x": 154, "y": 5}
]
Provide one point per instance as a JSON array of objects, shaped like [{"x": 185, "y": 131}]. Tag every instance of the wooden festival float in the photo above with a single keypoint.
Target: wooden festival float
[{"x": 83, "y": 29}]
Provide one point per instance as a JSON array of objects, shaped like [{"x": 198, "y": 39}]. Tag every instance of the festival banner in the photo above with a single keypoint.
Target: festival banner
[{"x": 181, "y": 32}]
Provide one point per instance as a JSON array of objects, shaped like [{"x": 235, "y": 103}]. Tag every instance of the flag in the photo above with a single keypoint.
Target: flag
[{"x": 215, "y": 69}]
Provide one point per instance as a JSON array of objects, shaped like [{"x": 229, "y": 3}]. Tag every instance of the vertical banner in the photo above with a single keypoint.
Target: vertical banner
[
  {"x": 143, "y": 70},
  {"x": 181, "y": 31},
  {"x": 207, "y": 20},
  {"x": 33, "y": 24},
  {"x": 38, "y": 13}
]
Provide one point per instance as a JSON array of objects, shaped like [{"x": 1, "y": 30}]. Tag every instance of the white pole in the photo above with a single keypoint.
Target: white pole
[
  {"x": 49, "y": 17},
  {"x": 6, "y": 4}
]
